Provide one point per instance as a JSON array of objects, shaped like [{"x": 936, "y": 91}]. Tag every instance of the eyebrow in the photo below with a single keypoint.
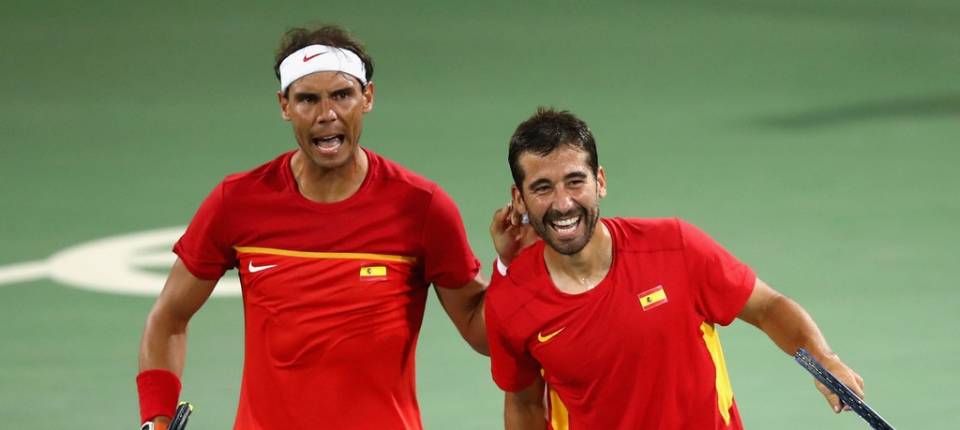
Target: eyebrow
[
  {"x": 343, "y": 91},
  {"x": 538, "y": 182},
  {"x": 569, "y": 176},
  {"x": 346, "y": 90},
  {"x": 300, "y": 95}
]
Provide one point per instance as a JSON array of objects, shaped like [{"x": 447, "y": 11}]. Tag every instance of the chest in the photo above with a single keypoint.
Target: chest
[
  {"x": 364, "y": 252},
  {"x": 639, "y": 316},
  {"x": 385, "y": 224}
]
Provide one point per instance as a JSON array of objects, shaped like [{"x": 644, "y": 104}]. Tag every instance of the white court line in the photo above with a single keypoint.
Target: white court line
[
  {"x": 21, "y": 272},
  {"x": 154, "y": 260}
]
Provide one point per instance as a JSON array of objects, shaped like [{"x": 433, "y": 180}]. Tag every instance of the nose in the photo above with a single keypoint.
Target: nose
[
  {"x": 326, "y": 112},
  {"x": 563, "y": 200}
]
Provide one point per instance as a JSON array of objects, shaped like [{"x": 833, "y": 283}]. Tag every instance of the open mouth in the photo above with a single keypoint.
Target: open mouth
[
  {"x": 328, "y": 144},
  {"x": 567, "y": 225}
]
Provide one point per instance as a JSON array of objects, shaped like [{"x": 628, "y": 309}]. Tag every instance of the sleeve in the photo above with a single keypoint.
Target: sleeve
[
  {"x": 203, "y": 248},
  {"x": 448, "y": 260},
  {"x": 722, "y": 283},
  {"x": 512, "y": 369}
]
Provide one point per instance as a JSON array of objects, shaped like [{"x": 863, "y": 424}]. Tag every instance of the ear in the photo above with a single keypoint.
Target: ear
[
  {"x": 518, "y": 204},
  {"x": 368, "y": 94},
  {"x": 601, "y": 182},
  {"x": 284, "y": 104}
]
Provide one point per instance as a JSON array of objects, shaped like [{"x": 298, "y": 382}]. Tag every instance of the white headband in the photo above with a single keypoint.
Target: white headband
[{"x": 320, "y": 58}]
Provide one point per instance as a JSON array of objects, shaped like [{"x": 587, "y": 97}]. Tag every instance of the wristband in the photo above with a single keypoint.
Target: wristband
[
  {"x": 501, "y": 268},
  {"x": 158, "y": 390},
  {"x": 150, "y": 425}
]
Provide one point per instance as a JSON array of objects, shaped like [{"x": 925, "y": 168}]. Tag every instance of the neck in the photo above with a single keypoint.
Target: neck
[
  {"x": 580, "y": 272},
  {"x": 329, "y": 185}
]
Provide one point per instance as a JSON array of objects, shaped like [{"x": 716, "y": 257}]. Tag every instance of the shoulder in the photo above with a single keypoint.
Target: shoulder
[
  {"x": 267, "y": 176},
  {"x": 412, "y": 190},
  {"x": 525, "y": 277},
  {"x": 647, "y": 234},
  {"x": 395, "y": 175}
]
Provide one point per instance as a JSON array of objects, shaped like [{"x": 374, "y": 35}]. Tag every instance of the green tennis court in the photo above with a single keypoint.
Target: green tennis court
[{"x": 818, "y": 140}]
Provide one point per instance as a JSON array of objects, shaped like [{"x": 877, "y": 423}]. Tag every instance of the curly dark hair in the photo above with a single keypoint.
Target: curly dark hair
[{"x": 330, "y": 35}]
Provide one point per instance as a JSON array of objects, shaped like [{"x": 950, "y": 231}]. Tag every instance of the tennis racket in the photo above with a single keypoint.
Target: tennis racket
[
  {"x": 847, "y": 396},
  {"x": 181, "y": 417}
]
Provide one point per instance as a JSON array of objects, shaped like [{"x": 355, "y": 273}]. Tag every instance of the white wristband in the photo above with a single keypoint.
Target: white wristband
[{"x": 501, "y": 268}]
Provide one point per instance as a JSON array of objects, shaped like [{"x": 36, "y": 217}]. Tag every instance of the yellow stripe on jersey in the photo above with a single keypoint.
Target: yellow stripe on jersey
[
  {"x": 326, "y": 255},
  {"x": 724, "y": 390},
  {"x": 559, "y": 417},
  {"x": 373, "y": 271}
]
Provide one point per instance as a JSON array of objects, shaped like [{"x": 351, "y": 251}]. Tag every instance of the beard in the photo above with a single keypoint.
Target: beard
[{"x": 568, "y": 246}]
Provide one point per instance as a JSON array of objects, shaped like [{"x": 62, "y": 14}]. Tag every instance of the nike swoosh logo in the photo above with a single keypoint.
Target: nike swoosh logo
[
  {"x": 310, "y": 57},
  {"x": 254, "y": 269},
  {"x": 543, "y": 338}
]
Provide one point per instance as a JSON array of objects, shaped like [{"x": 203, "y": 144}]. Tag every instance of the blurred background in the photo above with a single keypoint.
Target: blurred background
[{"x": 816, "y": 140}]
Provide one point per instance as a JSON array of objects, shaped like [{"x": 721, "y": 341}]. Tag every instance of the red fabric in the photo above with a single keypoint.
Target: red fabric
[
  {"x": 330, "y": 335},
  {"x": 158, "y": 390},
  {"x": 614, "y": 364}
]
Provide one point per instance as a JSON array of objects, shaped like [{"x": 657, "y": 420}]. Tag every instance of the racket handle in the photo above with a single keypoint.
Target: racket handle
[{"x": 181, "y": 417}]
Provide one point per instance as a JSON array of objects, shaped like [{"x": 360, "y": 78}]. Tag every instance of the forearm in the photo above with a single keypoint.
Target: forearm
[
  {"x": 791, "y": 327},
  {"x": 163, "y": 346},
  {"x": 476, "y": 334},
  {"x": 164, "y": 343},
  {"x": 464, "y": 306},
  {"x": 473, "y": 329},
  {"x": 519, "y": 414}
]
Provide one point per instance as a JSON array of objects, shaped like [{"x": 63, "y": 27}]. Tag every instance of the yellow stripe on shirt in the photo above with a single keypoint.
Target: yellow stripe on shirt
[
  {"x": 326, "y": 255},
  {"x": 724, "y": 390},
  {"x": 559, "y": 417}
]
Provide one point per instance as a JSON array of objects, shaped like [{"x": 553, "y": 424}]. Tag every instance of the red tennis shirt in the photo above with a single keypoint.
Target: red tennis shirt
[
  {"x": 333, "y": 294},
  {"x": 639, "y": 350}
]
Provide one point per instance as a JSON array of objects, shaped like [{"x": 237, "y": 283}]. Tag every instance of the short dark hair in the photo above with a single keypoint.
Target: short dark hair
[
  {"x": 330, "y": 35},
  {"x": 546, "y": 130}
]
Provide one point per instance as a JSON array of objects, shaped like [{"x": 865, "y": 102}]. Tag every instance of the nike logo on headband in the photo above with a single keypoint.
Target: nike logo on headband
[{"x": 310, "y": 57}]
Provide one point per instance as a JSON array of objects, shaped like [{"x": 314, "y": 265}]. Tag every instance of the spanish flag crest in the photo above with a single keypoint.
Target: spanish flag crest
[
  {"x": 652, "y": 298},
  {"x": 373, "y": 273}
]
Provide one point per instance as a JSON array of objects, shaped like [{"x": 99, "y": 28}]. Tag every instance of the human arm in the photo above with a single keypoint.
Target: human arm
[
  {"x": 791, "y": 327},
  {"x": 464, "y": 306},
  {"x": 164, "y": 342},
  {"x": 524, "y": 410},
  {"x": 509, "y": 234},
  {"x": 449, "y": 264}
]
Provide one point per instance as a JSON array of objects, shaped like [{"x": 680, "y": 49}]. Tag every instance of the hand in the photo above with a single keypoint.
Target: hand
[
  {"x": 509, "y": 234},
  {"x": 158, "y": 423},
  {"x": 845, "y": 375}
]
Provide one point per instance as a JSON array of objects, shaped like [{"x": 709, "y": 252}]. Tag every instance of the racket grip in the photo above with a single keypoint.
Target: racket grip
[{"x": 181, "y": 416}]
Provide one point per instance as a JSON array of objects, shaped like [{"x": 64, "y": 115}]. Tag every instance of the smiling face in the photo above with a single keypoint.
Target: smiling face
[
  {"x": 561, "y": 196},
  {"x": 326, "y": 111}
]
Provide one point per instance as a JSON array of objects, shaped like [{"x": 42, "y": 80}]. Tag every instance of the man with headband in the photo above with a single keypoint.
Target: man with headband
[{"x": 335, "y": 247}]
